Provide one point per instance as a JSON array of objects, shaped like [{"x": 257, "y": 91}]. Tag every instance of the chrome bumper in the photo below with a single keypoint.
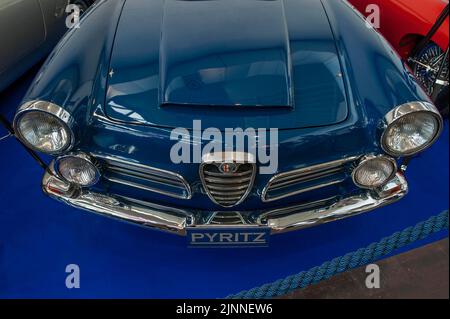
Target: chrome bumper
[{"x": 177, "y": 220}]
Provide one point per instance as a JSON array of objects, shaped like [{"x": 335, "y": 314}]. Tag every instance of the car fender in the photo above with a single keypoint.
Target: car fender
[{"x": 74, "y": 75}]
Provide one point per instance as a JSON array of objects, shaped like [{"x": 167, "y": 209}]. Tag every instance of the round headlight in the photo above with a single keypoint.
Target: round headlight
[
  {"x": 374, "y": 171},
  {"x": 78, "y": 169},
  {"x": 411, "y": 128},
  {"x": 44, "y": 127}
]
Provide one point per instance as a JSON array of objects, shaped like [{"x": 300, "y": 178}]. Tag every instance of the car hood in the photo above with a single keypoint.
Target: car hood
[{"x": 234, "y": 63}]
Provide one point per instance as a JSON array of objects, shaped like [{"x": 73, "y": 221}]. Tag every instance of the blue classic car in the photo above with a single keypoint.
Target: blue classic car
[{"x": 137, "y": 116}]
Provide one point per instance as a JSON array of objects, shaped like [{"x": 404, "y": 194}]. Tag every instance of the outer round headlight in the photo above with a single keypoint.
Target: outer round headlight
[
  {"x": 374, "y": 171},
  {"x": 78, "y": 169},
  {"x": 44, "y": 126},
  {"x": 411, "y": 128}
]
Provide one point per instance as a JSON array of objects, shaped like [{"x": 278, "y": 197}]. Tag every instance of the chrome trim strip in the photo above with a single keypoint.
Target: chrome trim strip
[
  {"x": 127, "y": 164},
  {"x": 177, "y": 220},
  {"x": 281, "y": 183},
  {"x": 412, "y": 107},
  {"x": 307, "y": 189},
  {"x": 145, "y": 176},
  {"x": 5, "y": 137},
  {"x": 143, "y": 187},
  {"x": 293, "y": 209},
  {"x": 228, "y": 157},
  {"x": 157, "y": 172},
  {"x": 396, "y": 189},
  {"x": 301, "y": 174},
  {"x": 442, "y": 82},
  {"x": 53, "y": 109},
  {"x": 315, "y": 168}
]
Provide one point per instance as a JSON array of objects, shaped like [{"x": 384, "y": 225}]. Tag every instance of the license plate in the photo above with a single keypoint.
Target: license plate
[{"x": 228, "y": 237}]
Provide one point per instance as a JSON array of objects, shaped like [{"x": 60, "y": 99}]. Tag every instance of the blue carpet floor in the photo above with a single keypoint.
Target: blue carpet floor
[{"x": 39, "y": 237}]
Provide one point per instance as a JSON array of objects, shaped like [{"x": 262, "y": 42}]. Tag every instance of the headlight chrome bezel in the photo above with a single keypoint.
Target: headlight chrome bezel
[
  {"x": 84, "y": 157},
  {"x": 371, "y": 157},
  {"x": 61, "y": 115},
  {"x": 398, "y": 113}
]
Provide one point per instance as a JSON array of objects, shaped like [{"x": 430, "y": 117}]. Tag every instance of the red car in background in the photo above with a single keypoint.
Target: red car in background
[{"x": 419, "y": 31}]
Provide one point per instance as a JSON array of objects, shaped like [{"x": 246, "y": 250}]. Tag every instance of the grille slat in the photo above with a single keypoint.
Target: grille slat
[
  {"x": 222, "y": 175},
  {"x": 227, "y": 188},
  {"x": 228, "y": 180},
  {"x": 227, "y": 198},
  {"x": 227, "y": 193},
  {"x": 307, "y": 179},
  {"x": 145, "y": 178},
  {"x": 221, "y": 187}
]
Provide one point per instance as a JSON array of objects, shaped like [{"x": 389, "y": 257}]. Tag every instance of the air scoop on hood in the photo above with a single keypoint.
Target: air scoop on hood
[
  {"x": 205, "y": 60},
  {"x": 230, "y": 63}
]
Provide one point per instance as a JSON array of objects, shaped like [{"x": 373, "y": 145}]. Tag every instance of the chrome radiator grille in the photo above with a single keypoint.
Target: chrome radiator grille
[
  {"x": 146, "y": 178},
  {"x": 227, "y": 188},
  {"x": 307, "y": 179}
]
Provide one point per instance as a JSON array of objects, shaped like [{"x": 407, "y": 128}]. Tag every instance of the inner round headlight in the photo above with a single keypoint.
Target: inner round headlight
[
  {"x": 78, "y": 169},
  {"x": 44, "y": 127},
  {"x": 374, "y": 171},
  {"x": 411, "y": 128}
]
